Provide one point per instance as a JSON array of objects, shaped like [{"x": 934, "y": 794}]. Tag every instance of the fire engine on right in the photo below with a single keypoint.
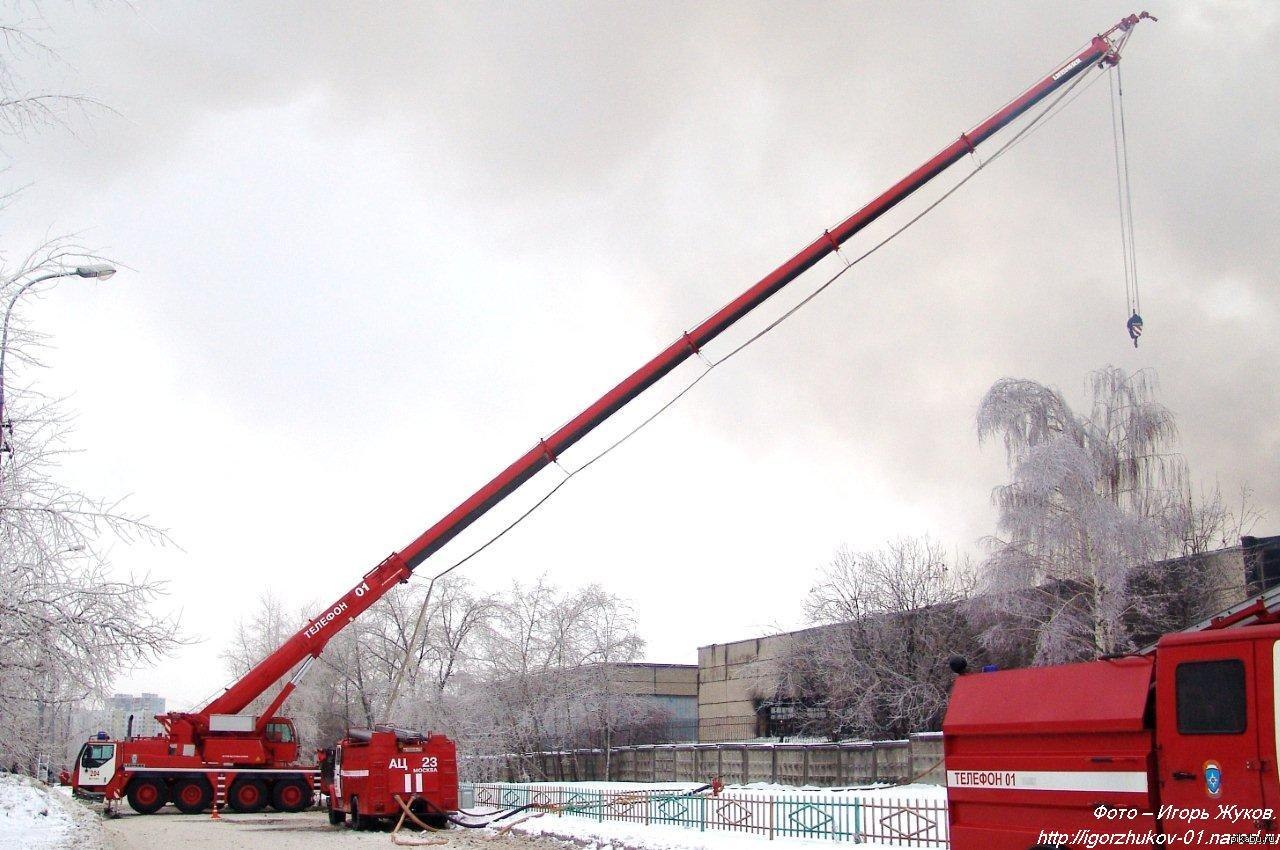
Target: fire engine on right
[{"x": 1178, "y": 746}]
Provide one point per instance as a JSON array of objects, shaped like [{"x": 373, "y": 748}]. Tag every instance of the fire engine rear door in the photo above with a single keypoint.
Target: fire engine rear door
[{"x": 1207, "y": 732}]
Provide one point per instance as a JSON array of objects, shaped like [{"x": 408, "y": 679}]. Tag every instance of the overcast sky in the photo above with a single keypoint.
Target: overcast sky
[{"x": 376, "y": 250}]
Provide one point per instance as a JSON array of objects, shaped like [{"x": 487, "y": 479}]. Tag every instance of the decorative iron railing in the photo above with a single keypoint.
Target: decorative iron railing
[{"x": 874, "y": 817}]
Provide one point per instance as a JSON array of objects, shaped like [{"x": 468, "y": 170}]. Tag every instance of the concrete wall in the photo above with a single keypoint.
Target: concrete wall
[
  {"x": 732, "y": 679},
  {"x": 671, "y": 689},
  {"x": 821, "y": 764},
  {"x": 673, "y": 680}
]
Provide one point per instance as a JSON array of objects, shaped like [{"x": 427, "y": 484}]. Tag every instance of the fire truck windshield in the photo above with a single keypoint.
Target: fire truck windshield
[{"x": 96, "y": 755}]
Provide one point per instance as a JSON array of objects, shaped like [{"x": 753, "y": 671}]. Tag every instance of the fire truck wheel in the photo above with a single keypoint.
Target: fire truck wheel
[
  {"x": 359, "y": 822},
  {"x": 247, "y": 796},
  {"x": 337, "y": 818},
  {"x": 146, "y": 796},
  {"x": 291, "y": 794},
  {"x": 192, "y": 796}
]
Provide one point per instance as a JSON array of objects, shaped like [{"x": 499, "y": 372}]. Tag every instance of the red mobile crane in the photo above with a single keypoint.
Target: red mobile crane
[{"x": 253, "y": 758}]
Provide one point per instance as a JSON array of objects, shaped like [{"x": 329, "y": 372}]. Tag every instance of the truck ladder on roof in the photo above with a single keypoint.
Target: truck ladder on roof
[{"x": 1257, "y": 610}]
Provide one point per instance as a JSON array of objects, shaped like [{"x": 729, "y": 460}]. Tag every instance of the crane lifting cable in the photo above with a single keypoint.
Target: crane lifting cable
[{"x": 1124, "y": 199}]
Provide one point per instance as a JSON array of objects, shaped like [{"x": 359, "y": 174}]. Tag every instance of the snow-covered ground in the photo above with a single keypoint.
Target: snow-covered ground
[
  {"x": 36, "y": 817},
  {"x": 611, "y": 835}
]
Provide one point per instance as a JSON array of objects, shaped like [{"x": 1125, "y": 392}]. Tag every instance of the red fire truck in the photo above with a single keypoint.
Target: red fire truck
[
  {"x": 1176, "y": 746},
  {"x": 218, "y": 754},
  {"x": 372, "y": 772}
]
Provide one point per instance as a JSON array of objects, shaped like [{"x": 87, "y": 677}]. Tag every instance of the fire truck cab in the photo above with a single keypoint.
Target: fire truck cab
[
  {"x": 1178, "y": 746},
  {"x": 95, "y": 767}
]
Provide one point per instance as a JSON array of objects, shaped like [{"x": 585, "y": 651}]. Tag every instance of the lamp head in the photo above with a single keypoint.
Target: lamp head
[{"x": 99, "y": 270}]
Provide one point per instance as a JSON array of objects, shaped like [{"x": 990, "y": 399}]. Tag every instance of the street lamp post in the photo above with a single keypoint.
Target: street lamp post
[{"x": 97, "y": 270}]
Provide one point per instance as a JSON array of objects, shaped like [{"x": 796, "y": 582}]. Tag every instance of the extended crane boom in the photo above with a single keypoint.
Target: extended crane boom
[
  {"x": 218, "y": 756},
  {"x": 311, "y": 639}
]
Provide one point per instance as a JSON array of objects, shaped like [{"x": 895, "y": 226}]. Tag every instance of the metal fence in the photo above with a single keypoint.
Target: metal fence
[{"x": 883, "y": 819}]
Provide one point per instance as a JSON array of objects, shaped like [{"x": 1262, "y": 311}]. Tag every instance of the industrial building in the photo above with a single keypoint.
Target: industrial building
[{"x": 739, "y": 682}]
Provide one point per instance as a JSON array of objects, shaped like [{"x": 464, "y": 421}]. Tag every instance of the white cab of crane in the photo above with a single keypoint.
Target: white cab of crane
[{"x": 96, "y": 765}]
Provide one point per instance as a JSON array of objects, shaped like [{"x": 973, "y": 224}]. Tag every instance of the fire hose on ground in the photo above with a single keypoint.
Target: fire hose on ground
[{"x": 541, "y": 809}]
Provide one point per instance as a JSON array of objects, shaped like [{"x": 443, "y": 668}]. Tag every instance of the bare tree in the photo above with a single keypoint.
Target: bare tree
[
  {"x": 349, "y": 687},
  {"x": 536, "y": 669},
  {"x": 874, "y": 663},
  {"x": 607, "y": 637},
  {"x": 321, "y": 705},
  {"x": 419, "y": 639},
  {"x": 1093, "y": 501},
  {"x": 551, "y": 670},
  {"x": 24, "y": 42},
  {"x": 69, "y": 622}
]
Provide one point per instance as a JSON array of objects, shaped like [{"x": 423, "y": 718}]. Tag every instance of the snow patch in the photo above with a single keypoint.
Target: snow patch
[
  {"x": 583, "y": 830},
  {"x": 612, "y": 835},
  {"x": 35, "y": 817}
]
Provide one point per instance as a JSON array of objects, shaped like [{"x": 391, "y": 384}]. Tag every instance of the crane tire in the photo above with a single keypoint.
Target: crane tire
[
  {"x": 147, "y": 795},
  {"x": 247, "y": 795},
  {"x": 191, "y": 795},
  {"x": 291, "y": 794}
]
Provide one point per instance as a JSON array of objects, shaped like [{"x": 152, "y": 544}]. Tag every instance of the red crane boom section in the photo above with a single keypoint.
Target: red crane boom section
[{"x": 311, "y": 639}]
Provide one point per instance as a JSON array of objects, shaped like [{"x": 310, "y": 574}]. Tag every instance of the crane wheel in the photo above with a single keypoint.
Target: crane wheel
[
  {"x": 247, "y": 796},
  {"x": 337, "y": 818},
  {"x": 291, "y": 794},
  {"x": 147, "y": 795},
  {"x": 192, "y": 796}
]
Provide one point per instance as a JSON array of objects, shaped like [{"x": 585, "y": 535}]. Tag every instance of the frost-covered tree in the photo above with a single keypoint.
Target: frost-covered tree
[
  {"x": 550, "y": 670},
  {"x": 25, "y": 46},
  {"x": 349, "y": 686},
  {"x": 884, "y": 622},
  {"x": 70, "y": 622},
  {"x": 536, "y": 668},
  {"x": 1093, "y": 500}
]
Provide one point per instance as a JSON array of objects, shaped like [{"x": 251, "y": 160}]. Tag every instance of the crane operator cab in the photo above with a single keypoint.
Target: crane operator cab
[
  {"x": 281, "y": 740},
  {"x": 95, "y": 766}
]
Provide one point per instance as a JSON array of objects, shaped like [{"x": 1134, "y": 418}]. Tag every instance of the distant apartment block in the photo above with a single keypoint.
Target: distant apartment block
[{"x": 143, "y": 708}]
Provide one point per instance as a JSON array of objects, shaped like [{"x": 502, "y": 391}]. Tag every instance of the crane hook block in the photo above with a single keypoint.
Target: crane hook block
[{"x": 1135, "y": 328}]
